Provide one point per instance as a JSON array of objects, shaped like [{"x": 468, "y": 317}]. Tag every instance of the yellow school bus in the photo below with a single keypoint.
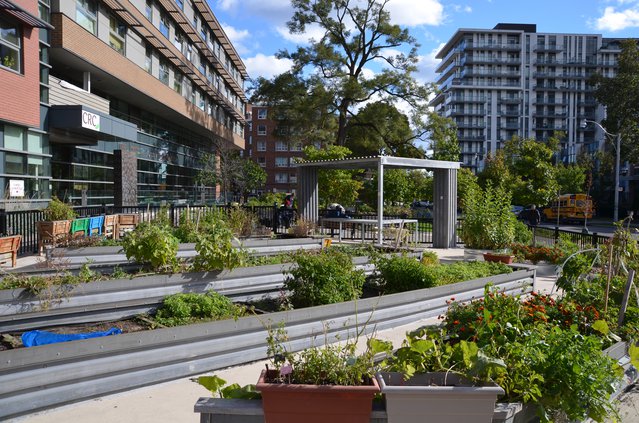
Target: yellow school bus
[{"x": 570, "y": 207}]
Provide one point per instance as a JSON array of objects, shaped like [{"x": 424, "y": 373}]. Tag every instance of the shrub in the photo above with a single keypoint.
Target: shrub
[
  {"x": 302, "y": 228},
  {"x": 403, "y": 273},
  {"x": 215, "y": 248},
  {"x": 241, "y": 221},
  {"x": 429, "y": 258},
  {"x": 488, "y": 221},
  {"x": 58, "y": 210},
  {"x": 182, "y": 309},
  {"x": 187, "y": 230},
  {"x": 324, "y": 278},
  {"x": 152, "y": 245},
  {"x": 537, "y": 254},
  {"x": 523, "y": 235}
]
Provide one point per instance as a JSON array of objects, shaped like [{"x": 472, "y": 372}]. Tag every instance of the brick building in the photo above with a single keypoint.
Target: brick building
[
  {"x": 130, "y": 94},
  {"x": 267, "y": 145}
]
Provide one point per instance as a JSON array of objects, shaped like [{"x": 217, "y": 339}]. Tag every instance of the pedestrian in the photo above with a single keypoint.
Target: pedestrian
[
  {"x": 288, "y": 200},
  {"x": 534, "y": 217}
]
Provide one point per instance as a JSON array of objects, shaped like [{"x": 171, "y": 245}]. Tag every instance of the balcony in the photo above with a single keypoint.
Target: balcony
[
  {"x": 470, "y": 125},
  {"x": 466, "y": 99},
  {"x": 493, "y": 46},
  {"x": 509, "y": 125},
  {"x": 548, "y": 47},
  {"x": 63, "y": 93}
]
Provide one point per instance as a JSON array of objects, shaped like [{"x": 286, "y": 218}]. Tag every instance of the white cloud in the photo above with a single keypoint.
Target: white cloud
[
  {"x": 613, "y": 20},
  {"x": 313, "y": 31},
  {"x": 237, "y": 37},
  {"x": 414, "y": 13},
  {"x": 427, "y": 65},
  {"x": 266, "y": 66},
  {"x": 276, "y": 11}
]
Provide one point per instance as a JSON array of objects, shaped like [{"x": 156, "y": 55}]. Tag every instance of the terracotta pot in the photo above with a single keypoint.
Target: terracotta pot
[
  {"x": 437, "y": 397},
  {"x": 498, "y": 258},
  {"x": 286, "y": 403}
]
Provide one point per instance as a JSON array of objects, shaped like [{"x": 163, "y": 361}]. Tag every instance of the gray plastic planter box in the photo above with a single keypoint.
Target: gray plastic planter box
[{"x": 438, "y": 397}]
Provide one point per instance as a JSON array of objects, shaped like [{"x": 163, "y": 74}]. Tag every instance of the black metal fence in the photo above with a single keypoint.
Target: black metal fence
[
  {"x": 23, "y": 222},
  {"x": 549, "y": 236}
]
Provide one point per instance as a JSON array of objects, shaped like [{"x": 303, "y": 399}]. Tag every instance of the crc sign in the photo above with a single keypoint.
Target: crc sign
[{"x": 90, "y": 120}]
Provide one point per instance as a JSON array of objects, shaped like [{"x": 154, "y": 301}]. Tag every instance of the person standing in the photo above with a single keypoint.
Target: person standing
[{"x": 534, "y": 217}]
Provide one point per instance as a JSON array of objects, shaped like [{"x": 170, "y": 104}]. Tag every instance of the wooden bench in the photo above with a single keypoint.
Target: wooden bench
[{"x": 10, "y": 245}]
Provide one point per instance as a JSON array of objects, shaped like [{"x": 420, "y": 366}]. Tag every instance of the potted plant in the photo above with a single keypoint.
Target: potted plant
[
  {"x": 488, "y": 222},
  {"x": 320, "y": 384},
  {"x": 57, "y": 224},
  {"x": 447, "y": 381}
]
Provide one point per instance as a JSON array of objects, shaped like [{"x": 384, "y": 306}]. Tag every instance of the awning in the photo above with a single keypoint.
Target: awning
[
  {"x": 23, "y": 16},
  {"x": 81, "y": 125}
]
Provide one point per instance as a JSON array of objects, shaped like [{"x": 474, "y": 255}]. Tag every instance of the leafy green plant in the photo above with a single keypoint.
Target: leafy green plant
[
  {"x": 218, "y": 387},
  {"x": 429, "y": 258},
  {"x": 58, "y": 210},
  {"x": 329, "y": 364},
  {"x": 182, "y": 309},
  {"x": 428, "y": 349},
  {"x": 402, "y": 273},
  {"x": 152, "y": 245},
  {"x": 215, "y": 248},
  {"x": 324, "y": 278},
  {"x": 187, "y": 230},
  {"x": 488, "y": 221},
  {"x": 553, "y": 352},
  {"x": 523, "y": 235},
  {"x": 241, "y": 221}
]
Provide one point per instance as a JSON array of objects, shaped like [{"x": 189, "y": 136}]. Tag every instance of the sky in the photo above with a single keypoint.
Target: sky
[{"x": 257, "y": 28}]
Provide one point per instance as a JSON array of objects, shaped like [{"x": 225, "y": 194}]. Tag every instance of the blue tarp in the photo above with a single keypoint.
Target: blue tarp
[{"x": 42, "y": 337}]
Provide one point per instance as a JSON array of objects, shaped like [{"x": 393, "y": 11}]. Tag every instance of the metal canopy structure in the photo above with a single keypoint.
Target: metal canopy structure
[{"x": 445, "y": 190}]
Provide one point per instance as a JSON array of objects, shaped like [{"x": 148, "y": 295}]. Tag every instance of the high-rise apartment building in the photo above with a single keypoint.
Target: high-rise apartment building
[
  {"x": 130, "y": 93},
  {"x": 513, "y": 81}
]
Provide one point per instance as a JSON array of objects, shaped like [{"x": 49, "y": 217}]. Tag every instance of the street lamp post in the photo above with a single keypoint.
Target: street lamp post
[{"x": 584, "y": 123}]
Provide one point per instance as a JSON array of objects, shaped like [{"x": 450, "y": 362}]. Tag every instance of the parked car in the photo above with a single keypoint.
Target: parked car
[
  {"x": 517, "y": 210},
  {"x": 422, "y": 209}
]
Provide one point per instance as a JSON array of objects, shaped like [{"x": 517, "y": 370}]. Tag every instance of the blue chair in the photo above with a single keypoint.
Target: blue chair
[{"x": 95, "y": 224}]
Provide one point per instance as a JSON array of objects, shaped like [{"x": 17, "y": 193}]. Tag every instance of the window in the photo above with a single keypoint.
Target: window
[
  {"x": 164, "y": 73},
  {"x": 281, "y": 178},
  {"x": 86, "y": 15},
  {"x": 14, "y": 164},
  {"x": 13, "y": 138},
  {"x": 192, "y": 93},
  {"x": 281, "y": 162},
  {"x": 261, "y": 146},
  {"x": 297, "y": 146},
  {"x": 148, "y": 59},
  {"x": 281, "y": 146},
  {"x": 180, "y": 4},
  {"x": 292, "y": 178},
  {"x": 149, "y": 10},
  {"x": 9, "y": 45},
  {"x": 261, "y": 113},
  {"x": 34, "y": 143},
  {"x": 203, "y": 30},
  {"x": 178, "y": 41},
  {"x": 201, "y": 100},
  {"x": 261, "y": 129},
  {"x": 117, "y": 34},
  {"x": 164, "y": 25},
  {"x": 261, "y": 161},
  {"x": 177, "y": 82},
  {"x": 202, "y": 65}
]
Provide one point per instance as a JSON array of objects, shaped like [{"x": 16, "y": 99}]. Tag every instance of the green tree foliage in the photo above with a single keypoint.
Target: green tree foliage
[
  {"x": 354, "y": 36},
  {"x": 443, "y": 135},
  {"x": 335, "y": 185},
  {"x": 251, "y": 177},
  {"x": 379, "y": 128},
  {"x": 571, "y": 178},
  {"x": 233, "y": 172},
  {"x": 533, "y": 174},
  {"x": 488, "y": 222},
  {"x": 496, "y": 171},
  {"x": 620, "y": 95},
  {"x": 300, "y": 105},
  {"x": 466, "y": 182}
]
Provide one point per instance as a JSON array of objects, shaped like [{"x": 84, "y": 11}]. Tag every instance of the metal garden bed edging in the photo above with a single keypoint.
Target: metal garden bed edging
[
  {"x": 124, "y": 298},
  {"x": 43, "y": 377}
]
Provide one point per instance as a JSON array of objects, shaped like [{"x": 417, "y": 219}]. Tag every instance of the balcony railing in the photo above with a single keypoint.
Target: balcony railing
[{"x": 63, "y": 93}]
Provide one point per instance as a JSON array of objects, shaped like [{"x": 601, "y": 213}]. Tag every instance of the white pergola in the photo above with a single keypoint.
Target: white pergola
[{"x": 445, "y": 190}]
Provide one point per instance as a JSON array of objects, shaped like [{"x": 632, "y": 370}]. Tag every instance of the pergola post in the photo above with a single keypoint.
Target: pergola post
[
  {"x": 380, "y": 202},
  {"x": 307, "y": 196},
  {"x": 445, "y": 208}
]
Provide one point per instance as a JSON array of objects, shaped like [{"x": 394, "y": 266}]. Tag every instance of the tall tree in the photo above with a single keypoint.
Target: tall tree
[
  {"x": 353, "y": 37},
  {"x": 379, "y": 128},
  {"x": 251, "y": 177},
  {"x": 443, "y": 136},
  {"x": 620, "y": 95},
  {"x": 571, "y": 178},
  {"x": 302, "y": 106},
  {"x": 496, "y": 171}
]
